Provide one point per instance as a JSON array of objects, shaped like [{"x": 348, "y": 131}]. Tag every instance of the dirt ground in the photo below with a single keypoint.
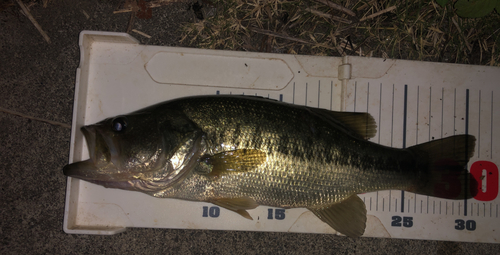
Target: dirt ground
[{"x": 37, "y": 82}]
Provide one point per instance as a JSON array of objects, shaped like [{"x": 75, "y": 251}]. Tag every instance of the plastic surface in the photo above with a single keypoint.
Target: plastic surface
[{"x": 118, "y": 75}]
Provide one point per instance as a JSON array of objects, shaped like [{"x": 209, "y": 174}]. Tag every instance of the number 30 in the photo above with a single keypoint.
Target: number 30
[{"x": 491, "y": 175}]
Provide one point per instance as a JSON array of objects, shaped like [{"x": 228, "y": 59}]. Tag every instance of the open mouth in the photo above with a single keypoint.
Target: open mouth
[
  {"x": 99, "y": 151},
  {"x": 100, "y": 166}
]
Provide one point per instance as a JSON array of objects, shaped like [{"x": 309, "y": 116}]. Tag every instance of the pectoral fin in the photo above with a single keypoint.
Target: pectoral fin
[
  {"x": 347, "y": 217},
  {"x": 238, "y": 205},
  {"x": 234, "y": 161}
]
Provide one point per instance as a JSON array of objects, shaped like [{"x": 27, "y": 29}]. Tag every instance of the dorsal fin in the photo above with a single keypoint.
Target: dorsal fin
[{"x": 359, "y": 124}]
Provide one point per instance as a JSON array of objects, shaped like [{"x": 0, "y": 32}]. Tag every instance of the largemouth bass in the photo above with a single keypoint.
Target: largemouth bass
[{"x": 239, "y": 152}]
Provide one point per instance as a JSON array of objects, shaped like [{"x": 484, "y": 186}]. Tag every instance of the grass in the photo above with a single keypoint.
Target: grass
[
  {"x": 408, "y": 29},
  {"x": 413, "y": 30}
]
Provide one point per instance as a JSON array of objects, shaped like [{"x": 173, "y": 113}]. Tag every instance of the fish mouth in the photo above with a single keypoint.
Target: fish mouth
[
  {"x": 99, "y": 149},
  {"x": 101, "y": 166},
  {"x": 85, "y": 170}
]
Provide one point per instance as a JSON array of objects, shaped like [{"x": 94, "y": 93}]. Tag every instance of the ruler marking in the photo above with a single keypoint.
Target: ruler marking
[
  {"x": 392, "y": 114},
  {"x": 405, "y": 115},
  {"x": 396, "y": 205},
  {"x": 418, "y": 102},
  {"x": 454, "y": 111},
  {"x": 390, "y": 198},
  {"x": 367, "y": 105},
  {"x": 376, "y": 202},
  {"x": 452, "y": 208},
  {"x": 355, "y": 90},
  {"x": 404, "y": 140},
  {"x": 415, "y": 203},
  {"x": 479, "y": 128},
  {"x": 466, "y": 144},
  {"x": 331, "y": 94},
  {"x": 379, "y": 111},
  {"x": 421, "y": 205},
  {"x": 368, "y": 97},
  {"x": 442, "y": 111},
  {"x": 430, "y": 114},
  {"x": 319, "y": 90},
  {"x": 306, "y": 93},
  {"x": 427, "y": 204},
  {"x": 370, "y": 203}
]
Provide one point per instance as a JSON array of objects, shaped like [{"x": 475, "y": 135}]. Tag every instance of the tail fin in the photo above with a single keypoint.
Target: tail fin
[{"x": 447, "y": 175}]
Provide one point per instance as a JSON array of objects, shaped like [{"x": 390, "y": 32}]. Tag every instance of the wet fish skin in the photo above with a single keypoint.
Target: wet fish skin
[
  {"x": 308, "y": 163},
  {"x": 239, "y": 152}
]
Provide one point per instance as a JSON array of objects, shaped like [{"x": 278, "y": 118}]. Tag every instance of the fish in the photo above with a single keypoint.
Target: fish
[{"x": 239, "y": 152}]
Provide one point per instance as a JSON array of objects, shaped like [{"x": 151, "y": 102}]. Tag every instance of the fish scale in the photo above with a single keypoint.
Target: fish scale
[{"x": 305, "y": 158}]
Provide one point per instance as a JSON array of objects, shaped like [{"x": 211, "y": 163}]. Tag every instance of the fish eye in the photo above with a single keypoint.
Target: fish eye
[{"x": 119, "y": 124}]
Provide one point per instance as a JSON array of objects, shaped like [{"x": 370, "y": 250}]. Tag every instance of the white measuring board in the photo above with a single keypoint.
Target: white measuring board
[
  {"x": 412, "y": 102},
  {"x": 418, "y": 102}
]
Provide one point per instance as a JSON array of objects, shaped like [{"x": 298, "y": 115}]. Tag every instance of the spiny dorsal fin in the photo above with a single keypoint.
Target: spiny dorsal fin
[
  {"x": 238, "y": 205},
  {"x": 234, "y": 161},
  {"x": 347, "y": 217},
  {"x": 359, "y": 124}
]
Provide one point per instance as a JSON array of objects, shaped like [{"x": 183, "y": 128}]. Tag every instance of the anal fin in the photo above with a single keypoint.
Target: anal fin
[
  {"x": 347, "y": 217},
  {"x": 238, "y": 205}
]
